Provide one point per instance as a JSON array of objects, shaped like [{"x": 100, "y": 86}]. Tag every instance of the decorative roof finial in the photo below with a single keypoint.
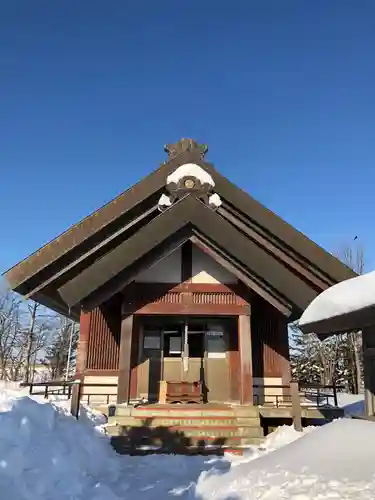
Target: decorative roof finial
[{"x": 183, "y": 146}]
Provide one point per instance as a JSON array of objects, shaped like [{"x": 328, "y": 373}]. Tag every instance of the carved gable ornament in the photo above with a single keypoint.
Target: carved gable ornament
[{"x": 188, "y": 178}]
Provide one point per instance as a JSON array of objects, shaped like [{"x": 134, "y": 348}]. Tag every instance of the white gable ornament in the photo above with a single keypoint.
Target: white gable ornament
[{"x": 186, "y": 179}]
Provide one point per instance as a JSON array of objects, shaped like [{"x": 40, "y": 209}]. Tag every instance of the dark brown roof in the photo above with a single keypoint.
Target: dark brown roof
[{"x": 281, "y": 257}]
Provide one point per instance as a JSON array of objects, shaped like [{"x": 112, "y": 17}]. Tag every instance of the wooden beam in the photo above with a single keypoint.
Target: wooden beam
[
  {"x": 83, "y": 344},
  {"x": 186, "y": 261},
  {"x": 317, "y": 278},
  {"x": 189, "y": 308},
  {"x": 261, "y": 289},
  {"x": 254, "y": 258},
  {"x": 113, "y": 237},
  {"x": 127, "y": 253},
  {"x": 190, "y": 213},
  {"x": 244, "y": 338},
  {"x": 368, "y": 345},
  {"x": 123, "y": 390},
  {"x": 120, "y": 281}
]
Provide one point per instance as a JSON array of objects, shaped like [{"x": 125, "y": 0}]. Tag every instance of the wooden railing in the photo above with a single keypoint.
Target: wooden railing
[
  {"x": 310, "y": 395},
  {"x": 295, "y": 395},
  {"x": 71, "y": 389}
]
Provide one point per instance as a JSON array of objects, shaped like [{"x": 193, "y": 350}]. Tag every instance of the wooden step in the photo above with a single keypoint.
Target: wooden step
[
  {"x": 188, "y": 431},
  {"x": 178, "y": 421},
  {"x": 185, "y": 411}
]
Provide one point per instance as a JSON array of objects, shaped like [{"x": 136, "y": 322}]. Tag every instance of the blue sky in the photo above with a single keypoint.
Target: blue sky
[{"x": 282, "y": 92}]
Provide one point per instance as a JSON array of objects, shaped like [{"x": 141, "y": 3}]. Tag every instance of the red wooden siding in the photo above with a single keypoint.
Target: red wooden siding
[
  {"x": 104, "y": 341},
  {"x": 269, "y": 340},
  {"x": 134, "y": 358}
]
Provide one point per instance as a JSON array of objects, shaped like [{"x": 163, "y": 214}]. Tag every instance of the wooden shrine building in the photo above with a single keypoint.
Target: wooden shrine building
[{"x": 182, "y": 278}]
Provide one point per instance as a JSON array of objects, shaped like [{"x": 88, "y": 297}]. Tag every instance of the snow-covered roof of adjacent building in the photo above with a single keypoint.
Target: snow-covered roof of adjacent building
[{"x": 345, "y": 306}]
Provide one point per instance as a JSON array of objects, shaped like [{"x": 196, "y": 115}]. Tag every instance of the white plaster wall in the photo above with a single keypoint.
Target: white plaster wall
[
  {"x": 268, "y": 395},
  {"x": 167, "y": 270},
  {"x": 100, "y": 397},
  {"x": 207, "y": 270}
]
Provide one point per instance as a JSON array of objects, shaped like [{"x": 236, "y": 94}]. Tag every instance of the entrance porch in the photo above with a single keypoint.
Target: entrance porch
[{"x": 188, "y": 359}]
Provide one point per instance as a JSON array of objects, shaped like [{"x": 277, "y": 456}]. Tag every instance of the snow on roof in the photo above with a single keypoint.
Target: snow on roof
[
  {"x": 164, "y": 201},
  {"x": 352, "y": 295},
  {"x": 190, "y": 170},
  {"x": 215, "y": 200}
]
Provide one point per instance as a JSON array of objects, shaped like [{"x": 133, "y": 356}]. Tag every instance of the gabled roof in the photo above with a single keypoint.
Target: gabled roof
[{"x": 102, "y": 253}]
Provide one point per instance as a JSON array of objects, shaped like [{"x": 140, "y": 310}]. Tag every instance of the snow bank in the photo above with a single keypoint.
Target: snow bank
[
  {"x": 335, "y": 461},
  {"x": 45, "y": 454},
  {"x": 346, "y": 297}
]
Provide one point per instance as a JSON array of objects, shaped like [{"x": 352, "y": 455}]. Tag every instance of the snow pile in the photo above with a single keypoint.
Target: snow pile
[
  {"x": 282, "y": 436},
  {"x": 190, "y": 170},
  {"x": 348, "y": 296},
  {"x": 45, "y": 454},
  {"x": 335, "y": 461}
]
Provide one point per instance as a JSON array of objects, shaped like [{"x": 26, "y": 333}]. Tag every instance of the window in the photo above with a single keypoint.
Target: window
[
  {"x": 172, "y": 344},
  {"x": 215, "y": 344},
  {"x": 151, "y": 340}
]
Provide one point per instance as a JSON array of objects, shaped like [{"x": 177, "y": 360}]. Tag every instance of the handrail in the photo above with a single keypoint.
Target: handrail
[{"x": 290, "y": 396}]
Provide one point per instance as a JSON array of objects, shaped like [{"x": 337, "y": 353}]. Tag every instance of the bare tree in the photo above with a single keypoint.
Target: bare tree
[
  {"x": 26, "y": 329},
  {"x": 354, "y": 257}
]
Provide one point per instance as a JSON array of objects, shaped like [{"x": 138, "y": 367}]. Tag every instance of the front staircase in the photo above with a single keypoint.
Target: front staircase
[{"x": 178, "y": 428}]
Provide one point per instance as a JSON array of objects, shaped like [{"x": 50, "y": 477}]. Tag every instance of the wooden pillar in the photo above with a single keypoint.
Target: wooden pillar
[
  {"x": 123, "y": 389},
  {"x": 83, "y": 345},
  {"x": 246, "y": 369},
  {"x": 368, "y": 345}
]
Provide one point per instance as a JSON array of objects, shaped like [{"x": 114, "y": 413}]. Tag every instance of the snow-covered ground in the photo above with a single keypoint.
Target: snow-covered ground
[{"x": 46, "y": 454}]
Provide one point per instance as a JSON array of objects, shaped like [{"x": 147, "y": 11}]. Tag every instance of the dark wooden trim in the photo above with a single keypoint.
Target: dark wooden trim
[
  {"x": 281, "y": 230},
  {"x": 355, "y": 320},
  {"x": 184, "y": 298},
  {"x": 207, "y": 223},
  {"x": 234, "y": 365},
  {"x": 108, "y": 243},
  {"x": 244, "y": 334},
  {"x": 123, "y": 390},
  {"x": 186, "y": 261},
  {"x": 261, "y": 289},
  {"x": 368, "y": 345},
  {"x": 83, "y": 345},
  {"x": 124, "y": 278},
  {"x": 294, "y": 262},
  {"x": 100, "y": 373},
  {"x": 112, "y": 264},
  {"x": 136, "y": 288},
  {"x": 94, "y": 223},
  {"x": 193, "y": 309},
  {"x": 134, "y": 358},
  {"x": 151, "y": 186}
]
